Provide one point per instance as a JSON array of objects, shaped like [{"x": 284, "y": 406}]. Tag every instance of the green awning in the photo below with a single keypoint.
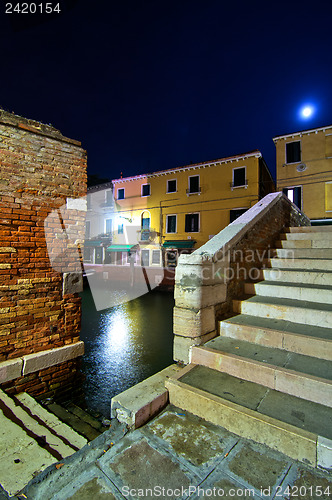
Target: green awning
[
  {"x": 120, "y": 248},
  {"x": 93, "y": 243},
  {"x": 179, "y": 243}
]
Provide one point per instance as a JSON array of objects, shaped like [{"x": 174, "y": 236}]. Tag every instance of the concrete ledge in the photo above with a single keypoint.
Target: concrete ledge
[
  {"x": 182, "y": 346},
  {"x": 45, "y": 359},
  {"x": 9, "y": 370},
  {"x": 139, "y": 403}
]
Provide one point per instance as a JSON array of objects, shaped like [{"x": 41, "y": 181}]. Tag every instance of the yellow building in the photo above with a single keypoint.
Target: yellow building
[
  {"x": 181, "y": 208},
  {"x": 304, "y": 170}
]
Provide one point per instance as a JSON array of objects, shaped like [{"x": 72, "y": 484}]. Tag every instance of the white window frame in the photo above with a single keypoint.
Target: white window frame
[
  {"x": 199, "y": 222},
  {"x": 117, "y": 193},
  {"x": 176, "y": 186},
  {"x": 145, "y": 195},
  {"x": 328, "y": 211},
  {"x": 151, "y": 258},
  {"x": 176, "y": 223},
  {"x": 293, "y": 162},
  {"x": 106, "y": 194},
  {"x": 105, "y": 226},
  {"x": 199, "y": 184},
  {"x": 293, "y": 187},
  {"x": 245, "y": 185}
]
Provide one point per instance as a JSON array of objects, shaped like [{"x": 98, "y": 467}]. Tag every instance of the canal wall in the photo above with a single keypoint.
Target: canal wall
[
  {"x": 41, "y": 172},
  {"x": 208, "y": 280}
]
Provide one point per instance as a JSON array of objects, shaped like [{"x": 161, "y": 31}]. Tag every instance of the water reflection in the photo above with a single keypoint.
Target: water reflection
[{"x": 124, "y": 344}]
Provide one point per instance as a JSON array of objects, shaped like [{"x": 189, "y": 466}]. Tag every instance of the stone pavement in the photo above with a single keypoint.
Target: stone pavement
[{"x": 176, "y": 456}]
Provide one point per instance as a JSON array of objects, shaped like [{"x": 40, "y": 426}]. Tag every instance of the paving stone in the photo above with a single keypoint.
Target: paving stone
[
  {"x": 191, "y": 437},
  {"x": 135, "y": 466},
  {"x": 259, "y": 467},
  {"x": 308, "y": 485}
]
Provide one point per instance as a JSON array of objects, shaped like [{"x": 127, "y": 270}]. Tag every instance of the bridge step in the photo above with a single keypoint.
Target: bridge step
[
  {"x": 301, "y": 276},
  {"x": 310, "y": 264},
  {"x": 307, "y": 292},
  {"x": 297, "y": 311},
  {"x": 299, "y": 428},
  {"x": 294, "y": 337},
  {"x": 302, "y": 376}
]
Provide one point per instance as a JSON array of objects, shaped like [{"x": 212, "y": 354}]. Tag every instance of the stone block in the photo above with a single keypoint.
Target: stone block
[
  {"x": 324, "y": 452},
  {"x": 193, "y": 322},
  {"x": 135, "y": 406},
  {"x": 10, "y": 370},
  {"x": 199, "y": 297},
  {"x": 51, "y": 357},
  {"x": 182, "y": 345},
  {"x": 72, "y": 283}
]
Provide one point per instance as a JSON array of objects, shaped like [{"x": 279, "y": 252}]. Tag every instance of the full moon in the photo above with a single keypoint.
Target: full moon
[{"x": 307, "y": 112}]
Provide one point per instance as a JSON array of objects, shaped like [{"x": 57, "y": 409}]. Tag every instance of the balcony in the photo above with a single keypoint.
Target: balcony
[
  {"x": 147, "y": 235},
  {"x": 196, "y": 190},
  {"x": 235, "y": 185}
]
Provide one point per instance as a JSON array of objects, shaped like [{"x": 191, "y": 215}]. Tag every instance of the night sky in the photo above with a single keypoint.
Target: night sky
[{"x": 151, "y": 85}]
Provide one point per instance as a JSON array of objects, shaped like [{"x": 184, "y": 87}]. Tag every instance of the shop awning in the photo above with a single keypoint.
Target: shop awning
[
  {"x": 93, "y": 243},
  {"x": 120, "y": 248},
  {"x": 179, "y": 243}
]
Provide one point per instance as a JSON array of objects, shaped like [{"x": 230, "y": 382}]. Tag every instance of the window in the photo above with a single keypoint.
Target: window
[
  {"x": 235, "y": 213},
  {"x": 239, "y": 177},
  {"x": 108, "y": 226},
  {"x": 328, "y": 196},
  {"x": 121, "y": 194},
  {"x": 156, "y": 257},
  {"x": 194, "y": 184},
  {"x": 192, "y": 223},
  {"x": 109, "y": 198},
  {"x": 171, "y": 186},
  {"x": 120, "y": 229},
  {"x": 171, "y": 224},
  {"x": 146, "y": 191},
  {"x": 88, "y": 202},
  {"x": 87, "y": 229},
  {"x": 293, "y": 152},
  {"x": 294, "y": 194},
  {"x": 145, "y": 257},
  {"x": 328, "y": 146},
  {"x": 87, "y": 254}
]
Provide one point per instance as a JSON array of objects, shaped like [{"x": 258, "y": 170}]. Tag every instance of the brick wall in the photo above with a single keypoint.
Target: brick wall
[{"x": 39, "y": 171}]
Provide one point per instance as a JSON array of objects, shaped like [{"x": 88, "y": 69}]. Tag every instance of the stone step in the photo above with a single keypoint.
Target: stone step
[
  {"x": 303, "y": 276},
  {"x": 296, "y": 427},
  {"x": 314, "y": 243},
  {"x": 313, "y": 236},
  {"x": 45, "y": 435},
  {"x": 292, "y": 337},
  {"x": 297, "y": 311},
  {"x": 298, "y": 291},
  {"x": 39, "y": 412},
  {"x": 311, "y": 229},
  {"x": 302, "y": 376},
  {"x": 75, "y": 422},
  {"x": 21, "y": 457},
  {"x": 304, "y": 253},
  {"x": 310, "y": 264}
]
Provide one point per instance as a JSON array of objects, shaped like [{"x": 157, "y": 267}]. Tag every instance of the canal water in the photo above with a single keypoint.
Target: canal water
[{"x": 124, "y": 345}]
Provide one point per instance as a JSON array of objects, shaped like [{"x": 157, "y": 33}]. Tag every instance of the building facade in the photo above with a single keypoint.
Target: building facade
[
  {"x": 304, "y": 171},
  {"x": 159, "y": 215}
]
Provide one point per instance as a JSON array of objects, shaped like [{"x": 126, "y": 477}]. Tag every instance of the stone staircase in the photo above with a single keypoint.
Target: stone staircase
[
  {"x": 268, "y": 376},
  {"x": 32, "y": 438}
]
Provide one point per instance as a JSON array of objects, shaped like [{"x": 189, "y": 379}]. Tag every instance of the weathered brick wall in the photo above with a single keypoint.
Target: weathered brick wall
[{"x": 39, "y": 170}]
